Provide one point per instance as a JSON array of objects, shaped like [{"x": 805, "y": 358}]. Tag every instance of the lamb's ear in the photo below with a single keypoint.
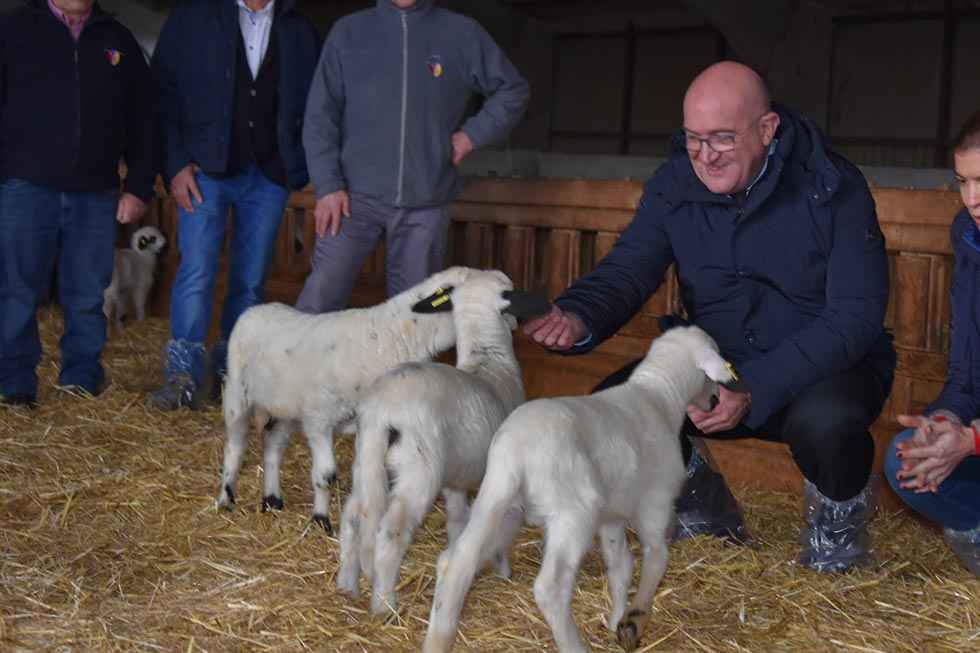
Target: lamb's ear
[
  {"x": 525, "y": 304},
  {"x": 143, "y": 242},
  {"x": 438, "y": 302},
  {"x": 718, "y": 369}
]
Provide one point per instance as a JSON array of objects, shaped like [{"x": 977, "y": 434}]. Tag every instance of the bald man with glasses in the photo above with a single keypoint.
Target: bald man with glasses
[{"x": 781, "y": 260}]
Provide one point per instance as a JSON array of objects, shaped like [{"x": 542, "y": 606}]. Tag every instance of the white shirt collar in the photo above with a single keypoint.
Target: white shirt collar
[{"x": 261, "y": 13}]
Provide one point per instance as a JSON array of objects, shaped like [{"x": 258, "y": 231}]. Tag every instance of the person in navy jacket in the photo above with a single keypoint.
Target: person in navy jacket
[
  {"x": 934, "y": 465},
  {"x": 232, "y": 76},
  {"x": 781, "y": 260},
  {"x": 76, "y": 97}
]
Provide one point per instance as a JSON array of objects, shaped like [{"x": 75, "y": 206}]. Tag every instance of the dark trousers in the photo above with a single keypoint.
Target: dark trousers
[
  {"x": 39, "y": 228},
  {"x": 826, "y": 428},
  {"x": 955, "y": 504},
  {"x": 415, "y": 247}
]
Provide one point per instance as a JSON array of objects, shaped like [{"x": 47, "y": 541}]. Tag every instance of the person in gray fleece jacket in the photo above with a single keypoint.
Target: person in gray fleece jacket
[{"x": 384, "y": 130}]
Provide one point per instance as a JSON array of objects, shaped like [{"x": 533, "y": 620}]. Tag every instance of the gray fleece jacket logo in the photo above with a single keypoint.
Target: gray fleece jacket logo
[{"x": 391, "y": 87}]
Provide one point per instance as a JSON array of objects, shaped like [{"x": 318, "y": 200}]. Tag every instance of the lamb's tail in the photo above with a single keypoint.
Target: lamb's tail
[
  {"x": 459, "y": 563},
  {"x": 370, "y": 483}
]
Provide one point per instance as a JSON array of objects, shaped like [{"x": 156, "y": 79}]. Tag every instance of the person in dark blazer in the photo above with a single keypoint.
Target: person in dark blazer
[{"x": 233, "y": 76}]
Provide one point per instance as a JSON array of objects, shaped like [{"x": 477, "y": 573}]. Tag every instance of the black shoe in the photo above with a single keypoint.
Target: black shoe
[
  {"x": 19, "y": 400},
  {"x": 81, "y": 390},
  {"x": 706, "y": 506}
]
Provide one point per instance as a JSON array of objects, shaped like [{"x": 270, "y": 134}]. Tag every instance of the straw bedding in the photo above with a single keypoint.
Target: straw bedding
[{"x": 109, "y": 541}]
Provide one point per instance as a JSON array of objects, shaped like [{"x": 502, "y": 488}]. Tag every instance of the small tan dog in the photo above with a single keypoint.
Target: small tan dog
[{"x": 133, "y": 274}]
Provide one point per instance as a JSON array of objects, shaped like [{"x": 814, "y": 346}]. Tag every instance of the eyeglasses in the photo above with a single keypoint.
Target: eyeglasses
[{"x": 719, "y": 142}]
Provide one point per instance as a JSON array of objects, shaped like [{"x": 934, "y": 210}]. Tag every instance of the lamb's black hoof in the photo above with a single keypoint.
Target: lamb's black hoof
[
  {"x": 628, "y": 631},
  {"x": 271, "y": 503},
  {"x": 324, "y": 521}
]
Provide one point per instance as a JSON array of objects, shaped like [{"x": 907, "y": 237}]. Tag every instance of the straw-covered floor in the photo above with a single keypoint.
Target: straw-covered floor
[{"x": 110, "y": 541}]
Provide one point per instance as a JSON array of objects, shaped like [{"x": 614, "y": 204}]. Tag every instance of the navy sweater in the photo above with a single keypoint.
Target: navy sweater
[
  {"x": 69, "y": 112},
  {"x": 793, "y": 285}
]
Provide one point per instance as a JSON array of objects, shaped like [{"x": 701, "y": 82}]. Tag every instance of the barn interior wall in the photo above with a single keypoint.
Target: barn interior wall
[{"x": 861, "y": 81}]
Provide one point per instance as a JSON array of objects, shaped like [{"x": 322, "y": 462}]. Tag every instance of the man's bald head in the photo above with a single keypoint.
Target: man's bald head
[
  {"x": 729, "y": 98},
  {"x": 730, "y": 86}
]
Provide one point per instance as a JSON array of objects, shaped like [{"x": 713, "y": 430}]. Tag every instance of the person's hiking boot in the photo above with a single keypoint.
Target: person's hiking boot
[
  {"x": 706, "y": 506},
  {"x": 835, "y": 536},
  {"x": 966, "y": 546},
  {"x": 178, "y": 391},
  {"x": 183, "y": 375}
]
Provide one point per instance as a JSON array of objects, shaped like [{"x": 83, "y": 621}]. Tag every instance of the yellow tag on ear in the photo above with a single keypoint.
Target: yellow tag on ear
[
  {"x": 440, "y": 301},
  {"x": 731, "y": 369}
]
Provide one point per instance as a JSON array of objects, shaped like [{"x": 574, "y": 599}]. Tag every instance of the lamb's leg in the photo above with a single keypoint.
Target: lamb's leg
[
  {"x": 410, "y": 501},
  {"x": 651, "y": 524},
  {"x": 569, "y": 537},
  {"x": 350, "y": 563},
  {"x": 122, "y": 308},
  {"x": 619, "y": 568},
  {"x": 107, "y": 301},
  {"x": 276, "y": 439},
  {"x": 236, "y": 439},
  {"x": 458, "y": 564},
  {"x": 140, "y": 294},
  {"x": 503, "y": 537},
  {"x": 457, "y": 512},
  {"x": 319, "y": 434}
]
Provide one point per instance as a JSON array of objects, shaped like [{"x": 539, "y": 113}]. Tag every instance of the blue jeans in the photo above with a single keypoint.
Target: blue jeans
[
  {"x": 259, "y": 205},
  {"x": 955, "y": 505},
  {"x": 40, "y": 227}
]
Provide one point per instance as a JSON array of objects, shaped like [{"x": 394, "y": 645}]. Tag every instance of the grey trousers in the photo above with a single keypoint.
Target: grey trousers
[{"x": 415, "y": 247}]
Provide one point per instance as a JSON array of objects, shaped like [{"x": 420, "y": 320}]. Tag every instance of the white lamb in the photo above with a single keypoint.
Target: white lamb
[
  {"x": 309, "y": 371},
  {"x": 580, "y": 464},
  {"x": 133, "y": 273},
  {"x": 430, "y": 424}
]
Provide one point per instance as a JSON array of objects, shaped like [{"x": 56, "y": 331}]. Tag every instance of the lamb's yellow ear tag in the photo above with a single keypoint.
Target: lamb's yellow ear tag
[
  {"x": 735, "y": 384},
  {"x": 438, "y": 302},
  {"x": 731, "y": 370}
]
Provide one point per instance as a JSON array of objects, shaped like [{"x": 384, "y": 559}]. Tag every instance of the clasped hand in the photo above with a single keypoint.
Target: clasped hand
[{"x": 932, "y": 453}]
